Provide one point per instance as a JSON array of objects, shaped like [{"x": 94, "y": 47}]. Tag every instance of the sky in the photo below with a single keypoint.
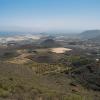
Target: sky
[{"x": 49, "y": 15}]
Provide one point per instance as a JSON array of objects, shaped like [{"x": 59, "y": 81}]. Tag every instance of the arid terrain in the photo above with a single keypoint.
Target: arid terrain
[{"x": 50, "y": 69}]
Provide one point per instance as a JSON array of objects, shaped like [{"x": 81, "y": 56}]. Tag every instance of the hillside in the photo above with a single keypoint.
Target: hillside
[
  {"x": 89, "y": 34},
  {"x": 43, "y": 72},
  {"x": 49, "y": 43},
  {"x": 96, "y": 39}
]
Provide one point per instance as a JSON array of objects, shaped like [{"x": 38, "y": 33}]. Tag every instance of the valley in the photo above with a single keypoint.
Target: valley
[{"x": 50, "y": 67}]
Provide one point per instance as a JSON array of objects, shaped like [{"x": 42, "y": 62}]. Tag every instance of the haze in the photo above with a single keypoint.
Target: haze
[{"x": 49, "y": 15}]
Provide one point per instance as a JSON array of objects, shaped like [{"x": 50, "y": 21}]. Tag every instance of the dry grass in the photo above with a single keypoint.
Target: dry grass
[{"x": 21, "y": 59}]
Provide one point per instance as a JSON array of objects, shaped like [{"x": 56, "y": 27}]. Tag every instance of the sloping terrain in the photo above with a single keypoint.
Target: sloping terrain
[
  {"x": 49, "y": 43},
  {"x": 18, "y": 82},
  {"x": 96, "y": 39},
  {"x": 90, "y": 34},
  {"x": 36, "y": 73}
]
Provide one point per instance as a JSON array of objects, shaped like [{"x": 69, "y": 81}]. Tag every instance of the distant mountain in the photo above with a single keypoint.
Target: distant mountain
[
  {"x": 90, "y": 34},
  {"x": 50, "y": 43}
]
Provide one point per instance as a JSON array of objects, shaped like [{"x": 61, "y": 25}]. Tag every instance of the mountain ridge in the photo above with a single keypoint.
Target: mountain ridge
[{"x": 89, "y": 34}]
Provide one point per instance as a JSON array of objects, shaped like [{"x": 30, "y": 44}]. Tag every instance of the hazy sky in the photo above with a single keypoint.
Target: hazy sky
[{"x": 49, "y": 15}]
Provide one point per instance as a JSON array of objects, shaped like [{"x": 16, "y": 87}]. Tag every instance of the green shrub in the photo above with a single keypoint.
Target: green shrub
[{"x": 4, "y": 93}]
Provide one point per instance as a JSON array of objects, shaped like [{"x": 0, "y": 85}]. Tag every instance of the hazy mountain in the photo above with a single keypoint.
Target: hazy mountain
[{"x": 89, "y": 34}]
